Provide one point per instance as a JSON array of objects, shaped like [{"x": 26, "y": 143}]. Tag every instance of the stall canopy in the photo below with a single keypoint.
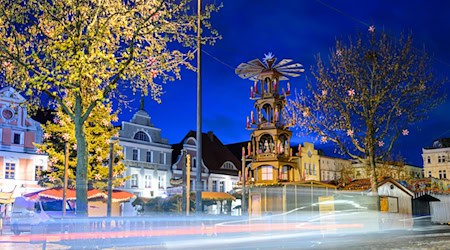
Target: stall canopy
[
  {"x": 6, "y": 197},
  {"x": 57, "y": 194},
  {"x": 217, "y": 196}
]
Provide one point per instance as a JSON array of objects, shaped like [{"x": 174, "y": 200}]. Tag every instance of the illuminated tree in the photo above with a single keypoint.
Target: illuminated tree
[
  {"x": 368, "y": 94},
  {"x": 95, "y": 50},
  {"x": 99, "y": 130}
]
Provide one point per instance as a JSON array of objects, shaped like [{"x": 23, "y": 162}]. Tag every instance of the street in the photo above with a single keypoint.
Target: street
[{"x": 429, "y": 237}]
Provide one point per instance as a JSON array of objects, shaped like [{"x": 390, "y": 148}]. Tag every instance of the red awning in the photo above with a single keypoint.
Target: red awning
[{"x": 57, "y": 194}]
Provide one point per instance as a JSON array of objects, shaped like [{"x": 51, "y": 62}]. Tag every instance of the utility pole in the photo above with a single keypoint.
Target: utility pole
[
  {"x": 66, "y": 170},
  {"x": 110, "y": 170},
  {"x": 198, "y": 173},
  {"x": 188, "y": 183}
]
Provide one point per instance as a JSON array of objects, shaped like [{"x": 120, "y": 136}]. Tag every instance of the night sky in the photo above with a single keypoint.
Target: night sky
[{"x": 299, "y": 30}]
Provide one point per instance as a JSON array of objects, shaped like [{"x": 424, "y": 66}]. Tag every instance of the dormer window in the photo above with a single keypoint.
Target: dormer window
[
  {"x": 228, "y": 165},
  {"x": 141, "y": 136}
]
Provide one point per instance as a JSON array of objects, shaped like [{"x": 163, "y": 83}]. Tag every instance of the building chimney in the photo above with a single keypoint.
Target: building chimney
[{"x": 211, "y": 135}]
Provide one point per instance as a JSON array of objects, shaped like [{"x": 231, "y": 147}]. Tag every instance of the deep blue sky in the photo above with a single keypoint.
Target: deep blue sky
[{"x": 298, "y": 30}]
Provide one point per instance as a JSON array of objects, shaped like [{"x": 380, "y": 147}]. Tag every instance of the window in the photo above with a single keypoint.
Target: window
[
  {"x": 389, "y": 204},
  {"x": 266, "y": 173},
  {"x": 135, "y": 154},
  {"x": 439, "y": 159},
  {"x": 194, "y": 163},
  {"x": 134, "y": 180},
  {"x": 10, "y": 169},
  {"x": 147, "y": 181},
  {"x": 161, "y": 182},
  {"x": 228, "y": 165},
  {"x": 428, "y": 160},
  {"x": 440, "y": 174},
  {"x": 149, "y": 156},
  {"x": 37, "y": 171},
  {"x": 429, "y": 173},
  {"x": 141, "y": 136},
  {"x": 17, "y": 138},
  {"x": 284, "y": 173},
  {"x": 222, "y": 186},
  {"x": 214, "y": 186},
  {"x": 314, "y": 169},
  {"x": 444, "y": 174},
  {"x": 443, "y": 158},
  {"x": 162, "y": 158}
]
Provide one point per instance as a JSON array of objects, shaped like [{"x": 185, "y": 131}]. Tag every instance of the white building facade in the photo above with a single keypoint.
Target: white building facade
[
  {"x": 147, "y": 156},
  {"x": 436, "y": 159},
  {"x": 20, "y": 163}
]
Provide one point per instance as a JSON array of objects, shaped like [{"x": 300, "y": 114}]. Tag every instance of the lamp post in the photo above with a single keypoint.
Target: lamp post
[
  {"x": 66, "y": 170},
  {"x": 110, "y": 170},
  {"x": 198, "y": 173}
]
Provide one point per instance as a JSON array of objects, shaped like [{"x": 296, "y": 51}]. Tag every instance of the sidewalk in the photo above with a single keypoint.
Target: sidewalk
[{"x": 9, "y": 241}]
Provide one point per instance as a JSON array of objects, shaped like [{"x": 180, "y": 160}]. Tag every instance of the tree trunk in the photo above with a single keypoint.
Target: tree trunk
[
  {"x": 81, "y": 171},
  {"x": 373, "y": 177}
]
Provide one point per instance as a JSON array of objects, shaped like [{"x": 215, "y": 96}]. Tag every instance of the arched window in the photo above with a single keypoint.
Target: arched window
[
  {"x": 141, "y": 136},
  {"x": 228, "y": 165}
]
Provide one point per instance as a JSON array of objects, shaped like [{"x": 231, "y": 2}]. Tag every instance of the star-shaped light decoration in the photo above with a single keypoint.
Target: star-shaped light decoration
[
  {"x": 371, "y": 29},
  {"x": 105, "y": 122},
  {"x": 339, "y": 52},
  {"x": 405, "y": 132},
  {"x": 324, "y": 92},
  {"x": 323, "y": 139},
  {"x": 98, "y": 176},
  {"x": 153, "y": 73},
  {"x": 252, "y": 69},
  {"x": 268, "y": 56},
  {"x": 47, "y": 135},
  {"x": 39, "y": 151},
  {"x": 351, "y": 92},
  {"x": 350, "y": 132},
  {"x": 380, "y": 143},
  {"x": 66, "y": 136},
  {"x": 51, "y": 178}
]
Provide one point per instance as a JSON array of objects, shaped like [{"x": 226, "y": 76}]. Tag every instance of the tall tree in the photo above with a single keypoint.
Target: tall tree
[
  {"x": 99, "y": 131},
  {"x": 94, "y": 49},
  {"x": 368, "y": 94}
]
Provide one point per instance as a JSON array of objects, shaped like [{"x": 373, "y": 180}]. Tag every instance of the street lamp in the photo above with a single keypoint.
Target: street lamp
[
  {"x": 66, "y": 170},
  {"x": 110, "y": 171}
]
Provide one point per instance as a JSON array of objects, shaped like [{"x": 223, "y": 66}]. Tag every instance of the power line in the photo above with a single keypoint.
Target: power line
[
  {"x": 218, "y": 60},
  {"x": 368, "y": 25},
  {"x": 343, "y": 13}
]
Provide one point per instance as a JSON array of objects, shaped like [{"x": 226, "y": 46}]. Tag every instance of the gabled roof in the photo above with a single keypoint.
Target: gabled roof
[
  {"x": 214, "y": 153},
  {"x": 365, "y": 185},
  {"x": 9, "y": 93}
]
